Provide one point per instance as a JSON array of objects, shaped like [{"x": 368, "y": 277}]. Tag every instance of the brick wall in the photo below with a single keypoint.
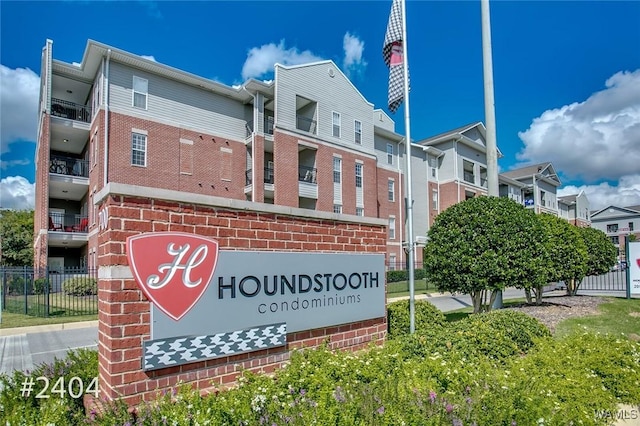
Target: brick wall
[
  {"x": 124, "y": 312},
  {"x": 218, "y": 164},
  {"x": 41, "y": 211}
]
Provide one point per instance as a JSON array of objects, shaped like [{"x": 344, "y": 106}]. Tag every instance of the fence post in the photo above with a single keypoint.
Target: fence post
[
  {"x": 46, "y": 291},
  {"x": 26, "y": 300},
  {"x": 627, "y": 271}
]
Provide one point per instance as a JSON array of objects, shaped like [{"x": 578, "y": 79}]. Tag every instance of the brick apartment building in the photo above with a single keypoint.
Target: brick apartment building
[{"x": 308, "y": 139}]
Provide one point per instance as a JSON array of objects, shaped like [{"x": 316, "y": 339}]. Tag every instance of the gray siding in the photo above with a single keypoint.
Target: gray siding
[
  {"x": 380, "y": 150},
  {"x": 419, "y": 192},
  {"x": 381, "y": 119},
  {"x": 331, "y": 94},
  {"x": 178, "y": 104}
]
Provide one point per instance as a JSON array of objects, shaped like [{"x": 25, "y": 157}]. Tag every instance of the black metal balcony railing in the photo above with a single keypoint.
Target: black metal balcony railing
[
  {"x": 306, "y": 124},
  {"x": 469, "y": 177},
  {"x": 63, "y": 222},
  {"x": 268, "y": 175},
  {"x": 66, "y": 109},
  {"x": 307, "y": 174},
  {"x": 68, "y": 166},
  {"x": 268, "y": 124}
]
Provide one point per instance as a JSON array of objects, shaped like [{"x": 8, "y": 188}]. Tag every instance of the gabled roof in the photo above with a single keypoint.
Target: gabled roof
[
  {"x": 535, "y": 170},
  {"x": 629, "y": 210},
  {"x": 568, "y": 199},
  {"x": 324, "y": 62},
  {"x": 458, "y": 134}
]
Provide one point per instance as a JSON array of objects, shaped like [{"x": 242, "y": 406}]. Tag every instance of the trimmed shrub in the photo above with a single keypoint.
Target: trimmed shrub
[
  {"x": 519, "y": 327},
  {"x": 427, "y": 316},
  {"x": 80, "y": 286}
]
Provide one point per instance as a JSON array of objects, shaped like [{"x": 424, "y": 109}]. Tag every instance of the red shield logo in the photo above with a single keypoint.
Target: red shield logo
[{"x": 173, "y": 269}]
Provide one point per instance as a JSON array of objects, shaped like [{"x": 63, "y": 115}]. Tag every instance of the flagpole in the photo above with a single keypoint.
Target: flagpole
[
  {"x": 489, "y": 113},
  {"x": 409, "y": 200}
]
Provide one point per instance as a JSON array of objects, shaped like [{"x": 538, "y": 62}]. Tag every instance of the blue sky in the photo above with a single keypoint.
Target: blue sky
[{"x": 566, "y": 74}]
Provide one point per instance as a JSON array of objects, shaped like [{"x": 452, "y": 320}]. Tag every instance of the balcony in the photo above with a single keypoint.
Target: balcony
[
  {"x": 305, "y": 124},
  {"x": 68, "y": 166},
  {"x": 267, "y": 126},
  {"x": 268, "y": 176},
  {"x": 70, "y": 110},
  {"x": 469, "y": 177},
  {"x": 66, "y": 222},
  {"x": 307, "y": 174}
]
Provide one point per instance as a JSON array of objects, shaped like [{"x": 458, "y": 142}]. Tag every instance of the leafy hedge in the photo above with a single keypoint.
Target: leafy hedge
[
  {"x": 402, "y": 275},
  {"x": 80, "y": 286},
  {"x": 557, "y": 382}
]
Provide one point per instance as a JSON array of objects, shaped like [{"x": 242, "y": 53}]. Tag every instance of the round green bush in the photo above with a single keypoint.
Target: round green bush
[
  {"x": 41, "y": 286},
  {"x": 426, "y": 316},
  {"x": 521, "y": 328},
  {"x": 80, "y": 286}
]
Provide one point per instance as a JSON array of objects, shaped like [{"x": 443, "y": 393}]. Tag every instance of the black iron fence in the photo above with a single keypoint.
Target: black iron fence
[
  {"x": 71, "y": 222},
  {"x": 49, "y": 292},
  {"x": 307, "y": 174}
]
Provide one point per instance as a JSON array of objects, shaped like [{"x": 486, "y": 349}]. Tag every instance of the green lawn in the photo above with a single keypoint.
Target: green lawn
[
  {"x": 616, "y": 316},
  {"x": 11, "y": 320},
  {"x": 401, "y": 288},
  {"x": 62, "y": 308}
]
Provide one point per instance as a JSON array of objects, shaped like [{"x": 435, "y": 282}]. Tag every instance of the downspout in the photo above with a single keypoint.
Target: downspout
[
  {"x": 253, "y": 145},
  {"x": 106, "y": 120},
  {"x": 400, "y": 211},
  {"x": 455, "y": 166}
]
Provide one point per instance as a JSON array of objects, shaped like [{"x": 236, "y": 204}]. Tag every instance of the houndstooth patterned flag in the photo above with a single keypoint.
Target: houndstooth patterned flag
[
  {"x": 162, "y": 353},
  {"x": 393, "y": 54}
]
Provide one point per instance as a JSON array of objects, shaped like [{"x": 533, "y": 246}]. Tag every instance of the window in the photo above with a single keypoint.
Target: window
[
  {"x": 357, "y": 129},
  {"x": 434, "y": 199},
  {"x": 392, "y": 262},
  {"x": 392, "y": 228},
  {"x": 94, "y": 143},
  {"x": 358, "y": 175},
  {"x": 337, "y": 170},
  {"x": 468, "y": 171},
  {"x": 630, "y": 226},
  {"x": 392, "y": 190},
  {"x": 612, "y": 228},
  {"x": 337, "y": 208},
  {"x": 140, "y": 89},
  {"x": 543, "y": 200},
  {"x": 138, "y": 149},
  {"x": 336, "y": 124},
  {"x": 359, "y": 211},
  {"x": 389, "y": 153},
  {"x": 615, "y": 240}
]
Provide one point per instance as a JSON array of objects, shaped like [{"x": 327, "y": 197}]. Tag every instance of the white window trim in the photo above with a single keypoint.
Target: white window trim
[
  {"x": 335, "y": 114},
  {"x": 391, "y": 190},
  {"x": 361, "y": 167},
  {"x": 339, "y": 171},
  {"x": 392, "y": 219},
  {"x": 390, "y": 154},
  {"x": 356, "y": 132},
  {"x": 133, "y": 92},
  {"x": 146, "y": 144}
]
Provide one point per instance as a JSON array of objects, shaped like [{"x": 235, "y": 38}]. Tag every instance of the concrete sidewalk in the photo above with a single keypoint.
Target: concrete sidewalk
[{"x": 47, "y": 328}]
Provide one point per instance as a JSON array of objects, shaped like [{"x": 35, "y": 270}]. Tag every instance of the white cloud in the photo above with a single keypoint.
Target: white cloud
[
  {"x": 19, "y": 92},
  {"x": 17, "y": 193},
  {"x": 626, "y": 193},
  {"x": 596, "y": 139},
  {"x": 260, "y": 60},
  {"x": 353, "y": 63},
  {"x": 149, "y": 57}
]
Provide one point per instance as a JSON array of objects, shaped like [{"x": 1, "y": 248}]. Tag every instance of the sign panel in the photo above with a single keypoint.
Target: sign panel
[
  {"x": 633, "y": 263},
  {"x": 208, "y": 303}
]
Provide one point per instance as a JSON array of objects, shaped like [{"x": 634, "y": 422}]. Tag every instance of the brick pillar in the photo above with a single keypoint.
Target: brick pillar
[
  {"x": 285, "y": 160},
  {"x": 259, "y": 165}
]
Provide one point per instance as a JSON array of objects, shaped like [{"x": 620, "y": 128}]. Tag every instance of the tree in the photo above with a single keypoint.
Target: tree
[
  {"x": 565, "y": 257},
  {"x": 16, "y": 229},
  {"x": 601, "y": 253},
  {"x": 482, "y": 245}
]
